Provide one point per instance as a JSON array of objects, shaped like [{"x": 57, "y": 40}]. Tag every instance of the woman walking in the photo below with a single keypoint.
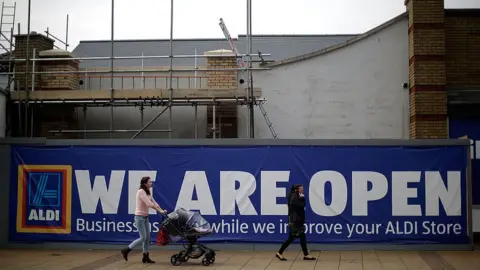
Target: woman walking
[
  {"x": 144, "y": 201},
  {"x": 296, "y": 216}
]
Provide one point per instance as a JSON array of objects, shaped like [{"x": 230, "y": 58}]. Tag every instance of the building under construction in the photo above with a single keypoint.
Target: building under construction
[
  {"x": 52, "y": 93},
  {"x": 406, "y": 78}
]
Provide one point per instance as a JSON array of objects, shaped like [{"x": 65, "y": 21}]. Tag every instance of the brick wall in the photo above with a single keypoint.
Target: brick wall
[
  {"x": 427, "y": 71},
  {"x": 37, "y": 41},
  {"x": 221, "y": 79},
  {"x": 226, "y": 119},
  {"x": 45, "y": 117},
  {"x": 55, "y": 117},
  {"x": 58, "y": 81},
  {"x": 462, "y": 34}
]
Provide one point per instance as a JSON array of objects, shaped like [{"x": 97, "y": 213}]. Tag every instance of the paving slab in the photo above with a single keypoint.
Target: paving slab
[{"x": 30, "y": 259}]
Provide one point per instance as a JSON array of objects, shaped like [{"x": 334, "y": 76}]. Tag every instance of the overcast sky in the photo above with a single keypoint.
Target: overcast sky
[{"x": 150, "y": 19}]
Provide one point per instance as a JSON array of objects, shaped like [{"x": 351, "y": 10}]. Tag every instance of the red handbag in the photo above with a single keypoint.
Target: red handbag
[{"x": 162, "y": 237}]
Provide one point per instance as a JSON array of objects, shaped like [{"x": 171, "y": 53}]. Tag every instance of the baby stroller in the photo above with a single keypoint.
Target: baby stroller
[{"x": 187, "y": 225}]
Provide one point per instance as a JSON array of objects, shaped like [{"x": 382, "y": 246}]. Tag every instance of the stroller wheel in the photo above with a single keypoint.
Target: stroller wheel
[
  {"x": 208, "y": 259},
  {"x": 205, "y": 261},
  {"x": 183, "y": 257},
  {"x": 176, "y": 260}
]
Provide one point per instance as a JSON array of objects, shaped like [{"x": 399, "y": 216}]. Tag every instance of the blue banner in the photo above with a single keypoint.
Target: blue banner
[
  {"x": 354, "y": 194},
  {"x": 469, "y": 127}
]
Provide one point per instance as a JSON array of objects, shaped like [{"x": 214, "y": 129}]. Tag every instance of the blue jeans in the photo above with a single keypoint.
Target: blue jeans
[{"x": 143, "y": 227}]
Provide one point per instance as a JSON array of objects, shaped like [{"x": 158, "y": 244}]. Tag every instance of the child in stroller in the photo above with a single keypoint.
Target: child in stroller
[{"x": 189, "y": 225}]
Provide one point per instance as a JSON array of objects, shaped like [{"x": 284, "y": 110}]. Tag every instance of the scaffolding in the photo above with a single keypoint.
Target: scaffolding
[
  {"x": 167, "y": 99},
  {"x": 7, "y": 18},
  {"x": 65, "y": 43},
  {"x": 7, "y": 44}
]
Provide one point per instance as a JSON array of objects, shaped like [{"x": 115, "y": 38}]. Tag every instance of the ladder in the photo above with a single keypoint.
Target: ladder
[
  {"x": 269, "y": 123},
  {"x": 7, "y": 18},
  {"x": 242, "y": 64},
  {"x": 240, "y": 61}
]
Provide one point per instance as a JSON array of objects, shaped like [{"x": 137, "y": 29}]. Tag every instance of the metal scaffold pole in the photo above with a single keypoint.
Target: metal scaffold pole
[
  {"x": 142, "y": 108},
  {"x": 171, "y": 72},
  {"x": 196, "y": 121},
  {"x": 127, "y": 71},
  {"x": 247, "y": 40},
  {"x": 150, "y": 122},
  {"x": 111, "y": 69},
  {"x": 196, "y": 66},
  {"x": 84, "y": 121},
  {"x": 150, "y": 101},
  {"x": 25, "y": 131},
  {"x": 66, "y": 35},
  {"x": 33, "y": 89},
  {"x": 214, "y": 117},
  {"x": 130, "y": 57},
  {"x": 249, "y": 71}
]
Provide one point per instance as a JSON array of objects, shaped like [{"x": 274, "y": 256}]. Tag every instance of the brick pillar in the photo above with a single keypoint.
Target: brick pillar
[
  {"x": 37, "y": 41},
  {"x": 58, "y": 81},
  {"x": 226, "y": 120},
  {"x": 56, "y": 116},
  {"x": 428, "y": 100}
]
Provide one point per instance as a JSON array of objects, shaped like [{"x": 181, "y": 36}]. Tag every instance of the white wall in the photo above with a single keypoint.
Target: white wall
[{"x": 351, "y": 93}]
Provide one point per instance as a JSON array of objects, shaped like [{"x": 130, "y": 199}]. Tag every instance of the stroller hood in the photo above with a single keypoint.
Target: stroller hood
[{"x": 185, "y": 221}]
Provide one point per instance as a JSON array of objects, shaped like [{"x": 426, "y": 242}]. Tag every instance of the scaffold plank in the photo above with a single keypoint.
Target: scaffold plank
[{"x": 131, "y": 94}]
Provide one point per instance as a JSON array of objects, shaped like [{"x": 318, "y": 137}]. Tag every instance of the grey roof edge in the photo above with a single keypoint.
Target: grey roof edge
[
  {"x": 340, "y": 45},
  {"x": 152, "y": 40},
  {"x": 217, "y": 39},
  {"x": 300, "y": 35}
]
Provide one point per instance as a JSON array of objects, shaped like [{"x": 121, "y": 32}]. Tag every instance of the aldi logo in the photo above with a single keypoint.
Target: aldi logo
[{"x": 44, "y": 199}]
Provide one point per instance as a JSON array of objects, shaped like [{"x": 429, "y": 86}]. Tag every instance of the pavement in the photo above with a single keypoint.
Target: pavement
[{"x": 32, "y": 259}]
